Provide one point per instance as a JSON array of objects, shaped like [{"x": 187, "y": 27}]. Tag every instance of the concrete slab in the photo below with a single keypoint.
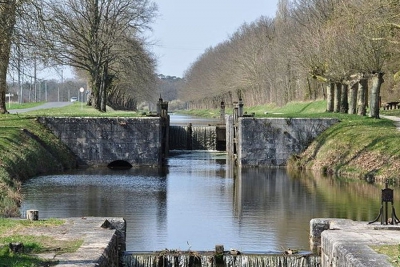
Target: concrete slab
[
  {"x": 347, "y": 243},
  {"x": 103, "y": 241}
]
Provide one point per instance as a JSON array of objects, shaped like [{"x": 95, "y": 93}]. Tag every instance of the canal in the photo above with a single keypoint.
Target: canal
[{"x": 200, "y": 200}]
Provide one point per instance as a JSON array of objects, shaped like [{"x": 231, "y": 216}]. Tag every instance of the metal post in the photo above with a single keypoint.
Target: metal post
[
  {"x": 386, "y": 197},
  {"x": 81, "y": 90}
]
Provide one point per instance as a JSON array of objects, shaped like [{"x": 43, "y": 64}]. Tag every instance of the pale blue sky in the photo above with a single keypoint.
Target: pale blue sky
[{"x": 186, "y": 28}]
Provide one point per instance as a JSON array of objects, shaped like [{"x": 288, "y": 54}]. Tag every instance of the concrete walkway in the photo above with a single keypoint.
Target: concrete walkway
[
  {"x": 103, "y": 241},
  {"x": 347, "y": 243}
]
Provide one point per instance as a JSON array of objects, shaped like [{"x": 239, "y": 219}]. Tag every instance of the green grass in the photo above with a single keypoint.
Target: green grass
[
  {"x": 392, "y": 251},
  {"x": 393, "y": 112},
  {"x": 23, "y": 105},
  {"x": 8, "y": 224},
  {"x": 291, "y": 110},
  {"x": 33, "y": 245},
  {"x": 77, "y": 109},
  {"x": 340, "y": 146},
  {"x": 27, "y": 149}
]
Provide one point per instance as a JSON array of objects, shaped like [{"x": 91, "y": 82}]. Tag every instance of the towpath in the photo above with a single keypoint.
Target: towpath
[{"x": 44, "y": 106}]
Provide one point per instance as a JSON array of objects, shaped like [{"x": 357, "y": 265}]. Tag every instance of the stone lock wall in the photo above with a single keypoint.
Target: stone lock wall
[
  {"x": 100, "y": 141},
  {"x": 271, "y": 141}
]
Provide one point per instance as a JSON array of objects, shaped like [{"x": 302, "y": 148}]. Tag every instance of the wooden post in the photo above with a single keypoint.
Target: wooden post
[
  {"x": 32, "y": 215},
  {"x": 222, "y": 113}
]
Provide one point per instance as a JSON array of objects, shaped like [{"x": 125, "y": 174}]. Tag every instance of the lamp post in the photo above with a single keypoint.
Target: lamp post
[{"x": 81, "y": 90}]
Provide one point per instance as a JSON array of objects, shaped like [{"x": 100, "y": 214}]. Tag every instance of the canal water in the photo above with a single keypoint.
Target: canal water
[{"x": 199, "y": 200}]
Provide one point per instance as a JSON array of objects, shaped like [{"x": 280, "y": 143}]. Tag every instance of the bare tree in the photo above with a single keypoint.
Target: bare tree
[
  {"x": 370, "y": 50},
  {"x": 336, "y": 42},
  {"x": 87, "y": 34},
  {"x": 134, "y": 77}
]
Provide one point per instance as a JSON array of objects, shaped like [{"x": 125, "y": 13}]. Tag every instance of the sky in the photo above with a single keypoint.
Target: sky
[{"x": 184, "y": 29}]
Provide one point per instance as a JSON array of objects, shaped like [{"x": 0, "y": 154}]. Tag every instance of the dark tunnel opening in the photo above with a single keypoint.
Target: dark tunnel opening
[{"x": 119, "y": 165}]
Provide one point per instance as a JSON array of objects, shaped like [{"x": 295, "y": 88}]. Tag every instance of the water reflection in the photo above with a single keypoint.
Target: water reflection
[
  {"x": 183, "y": 120},
  {"x": 201, "y": 201}
]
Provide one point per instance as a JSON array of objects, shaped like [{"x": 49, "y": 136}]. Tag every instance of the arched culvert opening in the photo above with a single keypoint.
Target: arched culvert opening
[{"x": 119, "y": 165}]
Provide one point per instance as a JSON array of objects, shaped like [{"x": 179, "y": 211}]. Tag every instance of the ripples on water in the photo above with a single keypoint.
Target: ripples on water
[{"x": 199, "y": 202}]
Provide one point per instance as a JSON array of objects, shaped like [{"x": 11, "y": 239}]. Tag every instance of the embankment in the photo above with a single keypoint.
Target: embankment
[
  {"x": 362, "y": 149},
  {"x": 27, "y": 149}
]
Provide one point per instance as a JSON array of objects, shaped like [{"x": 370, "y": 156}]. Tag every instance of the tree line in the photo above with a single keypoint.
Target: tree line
[
  {"x": 332, "y": 49},
  {"x": 100, "y": 39}
]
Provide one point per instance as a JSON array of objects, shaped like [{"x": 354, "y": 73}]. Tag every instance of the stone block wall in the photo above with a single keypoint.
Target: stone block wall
[
  {"x": 271, "y": 141},
  {"x": 100, "y": 141}
]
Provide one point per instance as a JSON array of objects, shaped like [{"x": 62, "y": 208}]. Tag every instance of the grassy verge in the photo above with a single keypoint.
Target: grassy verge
[
  {"x": 13, "y": 105},
  {"x": 77, "y": 109},
  {"x": 392, "y": 251},
  {"x": 291, "y": 110},
  {"x": 356, "y": 147},
  {"x": 33, "y": 246}
]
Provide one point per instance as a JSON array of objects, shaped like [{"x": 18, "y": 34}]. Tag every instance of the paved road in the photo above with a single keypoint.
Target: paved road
[{"x": 44, "y": 106}]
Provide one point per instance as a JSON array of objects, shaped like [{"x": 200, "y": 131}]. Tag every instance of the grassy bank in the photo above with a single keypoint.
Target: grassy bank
[
  {"x": 357, "y": 147},
  {"x": 28, "y": 149}
]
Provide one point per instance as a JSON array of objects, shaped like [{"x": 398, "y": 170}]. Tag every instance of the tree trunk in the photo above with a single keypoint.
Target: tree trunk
[
  {"x": 377, "y": 80},
  {"x": 353, "y": 99},
  {"x": 94, "y": 85},
  {"x": 361, "y": 101},
  {"x": 330, "y": 97},
  {"x": 7, "y": 23},
  {"x": 344, "y": 100},
  {"x": 337, "y": 97},
  {"x": 3, "y": 84}
]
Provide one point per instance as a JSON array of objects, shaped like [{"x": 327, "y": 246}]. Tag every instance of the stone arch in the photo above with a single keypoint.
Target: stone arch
[{"x": 119, "y": 165}]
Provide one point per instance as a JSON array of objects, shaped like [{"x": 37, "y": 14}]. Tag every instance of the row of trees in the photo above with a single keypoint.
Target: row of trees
[
  {"x": 310, "y": 46},
  {"x": 100, "y": 39}
]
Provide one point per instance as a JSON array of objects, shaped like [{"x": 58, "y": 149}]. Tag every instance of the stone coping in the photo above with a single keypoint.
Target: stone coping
[
  {"x": 102, "y": 237},
  {"x": 348, "y": 243}
]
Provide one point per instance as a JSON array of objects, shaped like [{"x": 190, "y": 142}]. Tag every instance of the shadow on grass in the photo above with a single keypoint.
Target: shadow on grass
[{"x": 8, "y": 258}]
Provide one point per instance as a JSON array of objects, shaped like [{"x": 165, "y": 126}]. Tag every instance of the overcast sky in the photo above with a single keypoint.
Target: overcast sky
[{"x": 186, "y": 28}]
